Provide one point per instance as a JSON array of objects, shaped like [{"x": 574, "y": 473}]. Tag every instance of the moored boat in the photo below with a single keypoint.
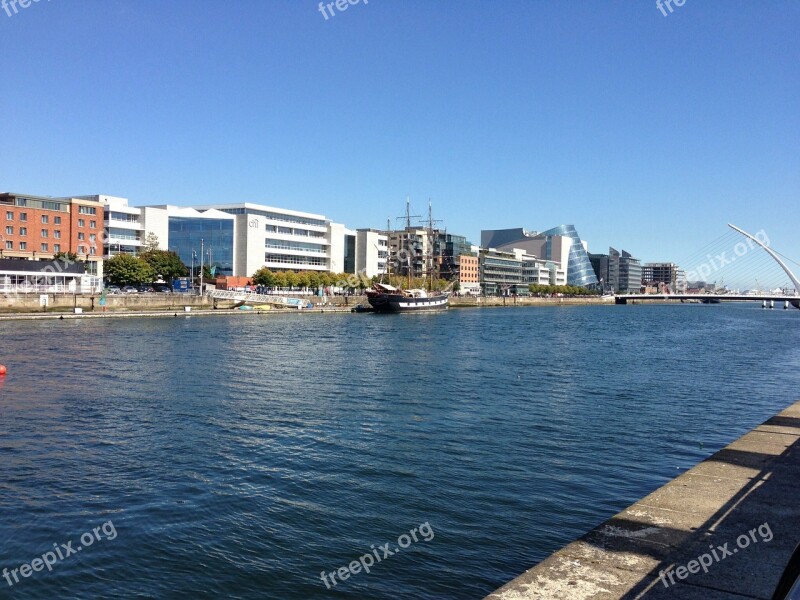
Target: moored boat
[{"x": 387, "y": 298}]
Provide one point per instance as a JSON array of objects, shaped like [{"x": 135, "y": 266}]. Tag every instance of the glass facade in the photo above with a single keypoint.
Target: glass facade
[
  {"x": 349, "y": 254},
  {"x": 186, "y": 234},
  {"x": 579, "y": 267}
]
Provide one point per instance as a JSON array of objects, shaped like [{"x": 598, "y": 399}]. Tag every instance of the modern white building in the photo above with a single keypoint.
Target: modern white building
[
  {"x": 372, "y": 252},
  {"x": 124, "y": 229},
  {"x": 236, "y": 239},
  {"x": 283, "y": 239}
]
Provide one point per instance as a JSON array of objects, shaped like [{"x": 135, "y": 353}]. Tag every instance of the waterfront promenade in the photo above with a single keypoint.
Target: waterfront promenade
[{"x": 736, "y": 513}]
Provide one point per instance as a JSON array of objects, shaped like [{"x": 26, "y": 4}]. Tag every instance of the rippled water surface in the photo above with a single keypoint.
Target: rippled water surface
[{"x": 239, "y": 457}]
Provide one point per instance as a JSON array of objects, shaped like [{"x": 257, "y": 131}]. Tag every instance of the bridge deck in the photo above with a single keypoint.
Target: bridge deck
[{"x": 721, "y": 297}]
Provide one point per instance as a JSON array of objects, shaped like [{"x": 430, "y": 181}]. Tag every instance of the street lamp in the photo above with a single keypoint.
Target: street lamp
[{"x": 202, "y": 246}]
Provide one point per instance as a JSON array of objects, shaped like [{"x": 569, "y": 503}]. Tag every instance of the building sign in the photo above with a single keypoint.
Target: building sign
[{"x": 253, "y": 223}]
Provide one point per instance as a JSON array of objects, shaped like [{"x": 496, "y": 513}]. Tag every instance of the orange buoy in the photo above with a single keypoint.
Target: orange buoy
[{"x": 2, "y": 369}]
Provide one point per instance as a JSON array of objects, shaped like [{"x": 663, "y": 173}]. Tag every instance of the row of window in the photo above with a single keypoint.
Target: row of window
[
  {"x": 46, "y": 220},
  {"x": 294, "y": 231},
  {"x": 295, "y": 260},
  {"x": 300, "y": 246},
  {"x": 46, "y": 247},
  {"x": 274, "y": 216},
  {"x": 23, "y": 231}
]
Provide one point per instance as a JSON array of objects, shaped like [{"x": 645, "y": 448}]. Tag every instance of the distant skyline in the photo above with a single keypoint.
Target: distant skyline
[{"x": 648, "y": 132}]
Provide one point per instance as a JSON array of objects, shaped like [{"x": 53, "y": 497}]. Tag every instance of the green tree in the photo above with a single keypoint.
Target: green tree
[
  {"x": 165, "y": 264},
  {"x": 314, "y": 280},
  {"x": 291, "y": 279},
  {"x": 303, "y": 279},
  {"x": 264, "y": 277},
  {"x": 280, "y": 279},
  {"x": 124, "y": 269}
]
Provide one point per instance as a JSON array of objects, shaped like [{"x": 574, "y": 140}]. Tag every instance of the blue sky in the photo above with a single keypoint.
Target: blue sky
[{"x": 647, "y": 132}]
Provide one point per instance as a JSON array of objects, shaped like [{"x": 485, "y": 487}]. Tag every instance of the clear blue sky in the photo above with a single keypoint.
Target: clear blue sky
[{"x": 647, "y": 132}]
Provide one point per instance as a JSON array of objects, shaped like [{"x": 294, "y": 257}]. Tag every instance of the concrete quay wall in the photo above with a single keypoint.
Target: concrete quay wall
[
  {"x": 30, "y": 303},
  {"x": 737, "y": 513},
  {"x": 495, "y": 301}
]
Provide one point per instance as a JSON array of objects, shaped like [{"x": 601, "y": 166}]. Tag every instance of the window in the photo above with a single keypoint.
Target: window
[
  {"x": 44, "y": 248},
  {"x": 87, "y": 210},
  {"x": 23, "y": 216},
  {"x": 81, "y": 250},
  {"x": 9, "y": 215},
  {"x": 92, "y": 249},
  {"x": 9, "y": 230},
  {"x": 92, "y": 237},
  {"x": 9, "y": 245},
  {"x": 23, "y": 231},
  {"x": 57, "y": 234},
  {"x": 81, "y": 223},
  {"x": 81, "y": 235},
  {"x": 93, "y": 224},
  {"x": 57, "y": 220},
  {"x": 44, "y": 233},
  {"x": 45, "y": 219},
  {"x": 23, "y": 245},
  {"x": 56, "y": 248}
]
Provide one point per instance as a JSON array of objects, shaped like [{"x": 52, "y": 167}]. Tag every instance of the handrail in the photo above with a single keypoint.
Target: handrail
[{"x": 250, "y": 297}]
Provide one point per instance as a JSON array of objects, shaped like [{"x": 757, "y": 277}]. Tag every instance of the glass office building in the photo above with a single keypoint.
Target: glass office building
[
  {"x": 579, "y": 267},
  {"x": 550, "y": 245},
  {"x": 188, "y": 234}
]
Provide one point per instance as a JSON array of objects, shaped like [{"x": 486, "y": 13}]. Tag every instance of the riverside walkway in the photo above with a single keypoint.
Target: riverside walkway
[{"x": 723, "y": 530}]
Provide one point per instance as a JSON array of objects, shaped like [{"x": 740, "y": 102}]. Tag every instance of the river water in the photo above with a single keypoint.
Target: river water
[{"x": 241, "y": 457}]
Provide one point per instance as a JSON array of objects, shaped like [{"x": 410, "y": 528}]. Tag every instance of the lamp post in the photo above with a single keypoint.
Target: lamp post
[{"x": 202, "y": 246}]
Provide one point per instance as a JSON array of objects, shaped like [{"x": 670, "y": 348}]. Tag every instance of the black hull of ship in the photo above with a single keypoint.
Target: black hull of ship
[{"x": 397, "y": 303}]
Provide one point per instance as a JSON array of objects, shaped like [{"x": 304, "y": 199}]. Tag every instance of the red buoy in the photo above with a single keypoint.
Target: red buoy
[{"x": 2, "y": 370}]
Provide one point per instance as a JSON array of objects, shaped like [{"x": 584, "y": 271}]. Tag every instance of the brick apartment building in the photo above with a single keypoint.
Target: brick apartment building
[
  {"x": 468, "y": 274},
  {"x": 36, "y": 228}
]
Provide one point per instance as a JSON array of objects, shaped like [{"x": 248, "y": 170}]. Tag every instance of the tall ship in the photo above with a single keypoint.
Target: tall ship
[{"x": 387, "y": 298}]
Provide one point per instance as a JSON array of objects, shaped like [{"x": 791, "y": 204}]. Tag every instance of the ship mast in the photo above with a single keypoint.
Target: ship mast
[{"x": 431, "y": 239}]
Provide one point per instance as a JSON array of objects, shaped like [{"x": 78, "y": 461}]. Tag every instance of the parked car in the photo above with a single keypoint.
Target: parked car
[
  {"x": 113, "y": 289},
  {"x": 163, "y": 289},
  {"x": 129, "y": 289}
]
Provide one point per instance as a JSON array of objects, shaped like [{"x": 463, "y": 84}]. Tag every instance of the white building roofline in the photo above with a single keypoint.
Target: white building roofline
[
  {"x": 187, "y": 211},
  {"x": 264, "y": 208}
]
